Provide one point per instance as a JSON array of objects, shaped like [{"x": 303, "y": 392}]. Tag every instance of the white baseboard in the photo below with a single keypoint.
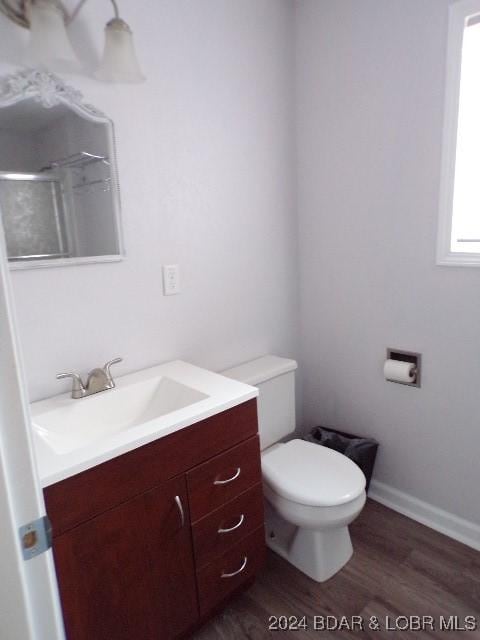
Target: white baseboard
[{"x": 433, "y": 517}]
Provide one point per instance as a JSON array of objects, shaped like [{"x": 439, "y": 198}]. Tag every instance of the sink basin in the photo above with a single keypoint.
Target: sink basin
[
  {"x": 76, "y": 423},
  {"x": 70, "y": 436}
]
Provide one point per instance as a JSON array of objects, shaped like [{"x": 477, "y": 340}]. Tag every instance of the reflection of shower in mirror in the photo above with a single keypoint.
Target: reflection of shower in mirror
[
  {"x": 33, "y": 214},
  {"x": 59, "y": 195}
]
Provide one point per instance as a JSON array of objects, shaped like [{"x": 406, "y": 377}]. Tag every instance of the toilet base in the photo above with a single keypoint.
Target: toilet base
[{"x": 318, "y": 554}]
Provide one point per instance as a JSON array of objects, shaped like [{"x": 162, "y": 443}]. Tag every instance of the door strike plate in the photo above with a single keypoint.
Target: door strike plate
[{"x": 35, "y": 537}]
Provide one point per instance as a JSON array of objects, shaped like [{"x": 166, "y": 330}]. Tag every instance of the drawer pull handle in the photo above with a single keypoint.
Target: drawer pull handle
[
  {"x": 180, "y": 510},
  {"x": 234, "y": 477},
  {"x": 235, "y": 573},
  {"x": 239, "y": 524}
]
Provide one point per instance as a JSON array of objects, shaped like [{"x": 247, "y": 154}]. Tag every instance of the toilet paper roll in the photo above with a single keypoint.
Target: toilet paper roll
[{"x": 397, "y": 371}]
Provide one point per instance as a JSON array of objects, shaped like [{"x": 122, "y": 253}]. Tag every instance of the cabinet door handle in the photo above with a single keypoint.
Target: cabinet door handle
[
  {"x": 180, "y": 510},
  {"x": 234, "y": 477},
  {"x": 239, "y": 524},
  {"x": 235, "y": 573}
]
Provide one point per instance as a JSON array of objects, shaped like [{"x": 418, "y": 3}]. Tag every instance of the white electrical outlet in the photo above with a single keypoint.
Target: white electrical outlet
[{"x": 171, "y": 279}]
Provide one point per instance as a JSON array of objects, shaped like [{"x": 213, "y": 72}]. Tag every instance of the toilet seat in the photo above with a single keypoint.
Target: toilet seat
[{"x": 312, "y": 475}]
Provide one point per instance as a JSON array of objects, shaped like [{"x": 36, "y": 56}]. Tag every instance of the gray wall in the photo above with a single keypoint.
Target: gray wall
[
  {"x": 205, "y": 151},
  {"x": 16, "y": 156},
  {"x": 370, "y": 83}
]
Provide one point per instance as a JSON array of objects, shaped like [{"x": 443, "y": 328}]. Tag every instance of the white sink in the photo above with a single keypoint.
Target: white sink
[
  {"x": 71, "y": 436},
  {"x": 76, "y": 423}
]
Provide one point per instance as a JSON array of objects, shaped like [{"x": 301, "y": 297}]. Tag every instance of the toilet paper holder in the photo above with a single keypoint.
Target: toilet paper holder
[{"x": 407, "y": 356}]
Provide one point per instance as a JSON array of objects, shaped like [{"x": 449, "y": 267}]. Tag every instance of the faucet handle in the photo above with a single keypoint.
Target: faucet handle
[
  {"x": 107, "y": 366},
  {"x": 78, "y": 388}
]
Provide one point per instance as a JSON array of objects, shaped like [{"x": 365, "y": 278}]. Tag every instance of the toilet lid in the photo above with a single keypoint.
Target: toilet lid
[{"x": 312, "y": 475}]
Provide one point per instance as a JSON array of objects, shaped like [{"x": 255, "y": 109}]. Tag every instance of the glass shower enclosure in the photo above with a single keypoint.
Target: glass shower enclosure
[{"x": 33, "y": 213}]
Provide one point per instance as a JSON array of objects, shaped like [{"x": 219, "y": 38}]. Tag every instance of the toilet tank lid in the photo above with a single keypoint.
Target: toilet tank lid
[{"x": 261, "y": 369}]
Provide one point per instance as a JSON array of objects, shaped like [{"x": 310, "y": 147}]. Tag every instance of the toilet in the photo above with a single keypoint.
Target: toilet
[{"x": 312, "y": 493}]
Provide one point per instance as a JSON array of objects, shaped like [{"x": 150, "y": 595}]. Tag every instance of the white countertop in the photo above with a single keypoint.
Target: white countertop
[{"x": 223, "y": 393}]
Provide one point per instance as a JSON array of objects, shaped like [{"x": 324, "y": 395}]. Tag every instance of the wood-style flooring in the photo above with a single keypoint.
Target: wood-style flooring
[{"x": 399, "y": 568}]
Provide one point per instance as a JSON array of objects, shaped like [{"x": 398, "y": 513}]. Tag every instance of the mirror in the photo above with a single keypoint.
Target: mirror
[{"x": 59, "y": 195}]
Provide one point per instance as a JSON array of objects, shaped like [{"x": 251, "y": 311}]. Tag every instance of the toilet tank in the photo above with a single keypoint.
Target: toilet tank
[{"x": 275, "y": 379}]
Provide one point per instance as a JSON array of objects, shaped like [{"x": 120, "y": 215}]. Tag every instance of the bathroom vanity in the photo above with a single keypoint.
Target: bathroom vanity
[
  {"x": 157, "y": 538},
  {"x": 150, "y": 543}
]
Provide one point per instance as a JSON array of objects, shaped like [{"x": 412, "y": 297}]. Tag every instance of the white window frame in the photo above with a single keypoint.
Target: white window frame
[{"x": 459, "y": 13}]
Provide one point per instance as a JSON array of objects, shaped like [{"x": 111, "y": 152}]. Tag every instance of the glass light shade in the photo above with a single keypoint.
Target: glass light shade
[
  {"x": 119, "y": 62},
  {"x": 49, "y": 43}
]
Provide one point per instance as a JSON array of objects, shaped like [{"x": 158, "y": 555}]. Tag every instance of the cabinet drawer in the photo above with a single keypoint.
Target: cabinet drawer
[
  {"x": 214, "y": 534},
  {"x": 223, "y": 478},
  {"x": 224, "y": 576}
]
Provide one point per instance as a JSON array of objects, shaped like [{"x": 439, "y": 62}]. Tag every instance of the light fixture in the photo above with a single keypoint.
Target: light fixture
[
  {"x": 119, "y": 61},
  {"x": 50, "y": 46}
]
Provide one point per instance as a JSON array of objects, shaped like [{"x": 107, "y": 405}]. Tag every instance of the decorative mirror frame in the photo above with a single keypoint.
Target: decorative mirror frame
[{"x": 50, "y": 90}]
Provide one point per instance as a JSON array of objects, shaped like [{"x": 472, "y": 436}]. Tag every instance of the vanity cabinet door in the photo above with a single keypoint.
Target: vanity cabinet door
[
  {"x": 169, "y": 544},
  {"x": 129, "y": 572}
]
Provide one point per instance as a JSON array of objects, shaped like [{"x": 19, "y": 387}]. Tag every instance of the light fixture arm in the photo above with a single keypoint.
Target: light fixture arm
[
  {"x": 15, "y": 14},
  {"x": 17, "y": 11},
  {"x": 115, "y": 8},
  {"x": 79, "y": 6}
]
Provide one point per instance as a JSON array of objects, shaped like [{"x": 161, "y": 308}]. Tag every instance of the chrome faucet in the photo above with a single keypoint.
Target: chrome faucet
[{"x": 97, "y": 380}]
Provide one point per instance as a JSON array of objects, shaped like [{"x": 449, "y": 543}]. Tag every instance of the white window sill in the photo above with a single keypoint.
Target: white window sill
[{"x": 459, "y": 260}]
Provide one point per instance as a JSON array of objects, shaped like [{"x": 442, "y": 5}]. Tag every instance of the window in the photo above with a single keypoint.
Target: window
[{"x": 459, "y": 229}]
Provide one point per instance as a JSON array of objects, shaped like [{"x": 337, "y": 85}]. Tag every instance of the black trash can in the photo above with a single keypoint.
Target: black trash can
[{"x": 362, "y": 451}]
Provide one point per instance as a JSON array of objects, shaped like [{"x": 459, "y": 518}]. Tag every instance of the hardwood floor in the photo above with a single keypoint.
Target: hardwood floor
[{"x": 399, "y": 568}]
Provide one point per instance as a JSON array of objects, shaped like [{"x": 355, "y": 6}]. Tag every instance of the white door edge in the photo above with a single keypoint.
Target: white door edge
[{"x": 29, "y": 602}]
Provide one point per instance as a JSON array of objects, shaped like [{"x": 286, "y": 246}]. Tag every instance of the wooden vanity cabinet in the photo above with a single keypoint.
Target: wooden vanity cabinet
[
  {"x": 133, "y": 559},
  {"x": 148, "y": 545}
]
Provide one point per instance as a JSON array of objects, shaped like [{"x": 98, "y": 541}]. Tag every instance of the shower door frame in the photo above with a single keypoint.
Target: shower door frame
[{"x": 62, "y": 233}]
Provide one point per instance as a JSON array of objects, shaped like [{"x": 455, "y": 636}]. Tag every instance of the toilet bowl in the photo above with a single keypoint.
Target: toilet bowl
[{"x": 312, "y": 493}]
